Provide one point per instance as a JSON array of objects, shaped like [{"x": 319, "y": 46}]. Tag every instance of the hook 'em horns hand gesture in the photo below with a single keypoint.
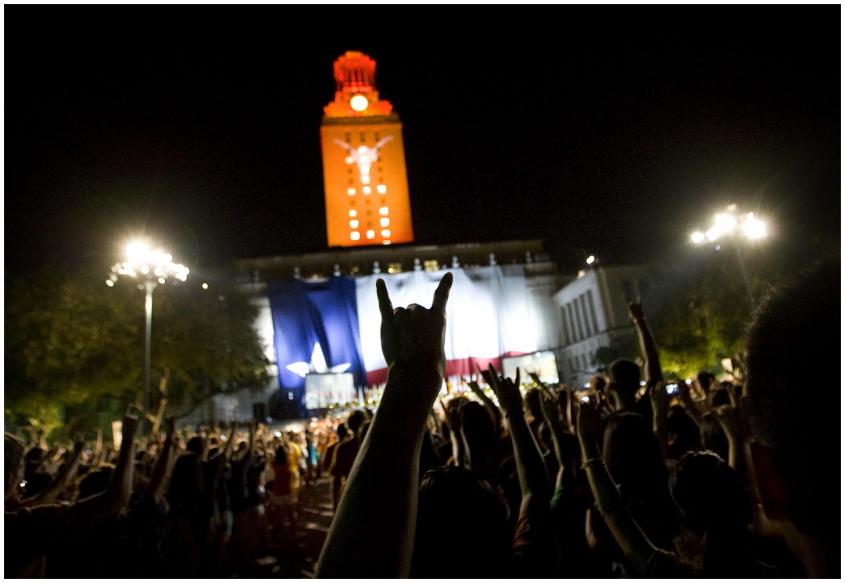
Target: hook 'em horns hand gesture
[{"x": 414, "y": 335}]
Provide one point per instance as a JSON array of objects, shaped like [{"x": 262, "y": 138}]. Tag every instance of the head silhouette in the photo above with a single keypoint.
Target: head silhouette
[
  {"x": 624, "y": 383},
  {"x": 462, "y": 529},
  {"x": 355, "y": 421},
  {"x": 796, "y": 447}
]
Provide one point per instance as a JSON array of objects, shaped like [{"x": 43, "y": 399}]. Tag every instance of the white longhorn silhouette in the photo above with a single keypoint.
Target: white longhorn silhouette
[{"x": 363, "y": 156}]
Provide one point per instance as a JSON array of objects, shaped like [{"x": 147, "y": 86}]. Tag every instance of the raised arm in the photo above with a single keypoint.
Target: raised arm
[
  {"x": 120, "y": 488},
  {"x": 633, "y": 542},
  {"x": 533, "y": 479},
  {"x": 378, "y": 507},
  {"x": 230, "y": 441},
  {"x": 551, "y": 414},
  {"x": 647, "y": 344},
  {"x": 659, "y": 410},
  {"x": 733, "y": 424},
  {"x": 491, "y": 406},
  {"x": 163, "y": 465}
]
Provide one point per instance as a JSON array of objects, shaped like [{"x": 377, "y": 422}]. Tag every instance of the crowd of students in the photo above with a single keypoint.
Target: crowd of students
[{"x": 517, "y": 479}]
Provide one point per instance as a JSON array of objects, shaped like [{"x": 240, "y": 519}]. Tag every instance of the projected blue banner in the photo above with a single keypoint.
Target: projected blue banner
[{"x": 315, "y": 329}]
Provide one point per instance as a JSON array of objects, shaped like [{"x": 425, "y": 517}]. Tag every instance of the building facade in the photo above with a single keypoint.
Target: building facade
[{"x": 594, "y": 315}]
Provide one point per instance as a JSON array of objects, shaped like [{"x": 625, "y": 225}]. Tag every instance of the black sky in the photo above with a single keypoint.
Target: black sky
[{"x": 605, "y": 129}]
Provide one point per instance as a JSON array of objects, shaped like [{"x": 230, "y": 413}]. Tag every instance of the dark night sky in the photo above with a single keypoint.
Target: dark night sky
[{"x": 612, "y": 130}]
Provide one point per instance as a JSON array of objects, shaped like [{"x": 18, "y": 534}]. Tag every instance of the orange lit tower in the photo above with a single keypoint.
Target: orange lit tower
[{"x": 366, "y": 186}]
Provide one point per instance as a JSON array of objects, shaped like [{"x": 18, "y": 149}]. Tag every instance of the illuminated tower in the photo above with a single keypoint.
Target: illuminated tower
[{"x": 366, "y": 186}]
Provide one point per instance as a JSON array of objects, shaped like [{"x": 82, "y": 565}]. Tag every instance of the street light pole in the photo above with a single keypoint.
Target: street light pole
[
  {"x": 149, "y": 286},
  {"x": 153, "y": 267}
]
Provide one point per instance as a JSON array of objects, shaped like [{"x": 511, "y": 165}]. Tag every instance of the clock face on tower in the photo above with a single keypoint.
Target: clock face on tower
[{"x": 359, "y": 103}]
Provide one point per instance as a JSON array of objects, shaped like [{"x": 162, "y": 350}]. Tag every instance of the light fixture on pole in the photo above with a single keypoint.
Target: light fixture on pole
[
  {"x": 153, "y": 267},
  {"x": 729, "y": 224}
]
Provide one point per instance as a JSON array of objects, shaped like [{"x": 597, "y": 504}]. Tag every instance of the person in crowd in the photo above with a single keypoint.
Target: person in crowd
[
  {"x": 794, "y": 440},
  {"x": 345, "y": 453},
  {"x": 281, "y": 495}
]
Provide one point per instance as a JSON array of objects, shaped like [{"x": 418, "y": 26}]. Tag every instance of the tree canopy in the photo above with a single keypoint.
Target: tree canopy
[{"x": 74, "y": 347}]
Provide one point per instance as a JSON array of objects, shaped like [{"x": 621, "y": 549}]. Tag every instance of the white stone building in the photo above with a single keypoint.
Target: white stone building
[{"x": 593, "y": 314}]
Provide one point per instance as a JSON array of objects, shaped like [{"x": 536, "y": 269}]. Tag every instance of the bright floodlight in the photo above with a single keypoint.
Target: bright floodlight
[
  {"x": 143, "y": 260},
  {"x": 754, "y": 228},
  {"x": 591, "y": 259},
  {"x": 729, "y": 223},
  {"x": 723, "y": 224}
]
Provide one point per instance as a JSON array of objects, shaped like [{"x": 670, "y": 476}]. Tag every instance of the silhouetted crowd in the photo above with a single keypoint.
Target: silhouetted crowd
[{"x": 637, "y": 476}]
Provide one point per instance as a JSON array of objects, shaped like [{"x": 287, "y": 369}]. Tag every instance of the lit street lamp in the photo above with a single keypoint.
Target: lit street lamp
[
  {"x": 153, "y": 267},
  {"x": 730, "y": 224}
]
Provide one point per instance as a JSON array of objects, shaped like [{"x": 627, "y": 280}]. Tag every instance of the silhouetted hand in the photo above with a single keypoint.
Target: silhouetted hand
[
  {"x": 473, "y": 386},
  {"x": 414, "y": 335},
  {"x": 131, "y": 420},
  {"x": 452, "y": 412},
  {"x": 635, "y": 311},
  {"x": 507, "y": 391}
]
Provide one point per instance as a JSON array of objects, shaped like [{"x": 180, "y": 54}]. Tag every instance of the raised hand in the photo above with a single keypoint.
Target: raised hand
[
  {"x": 473, "y": 386},
  {"x": 453, "y": 414},
  {"x": 131, "y": 421},
  {"x": 635, "y": 311},
  {"x": 414, "y": 335},
  {"x": 507, "y": 391},
  {"x": 548, "y": 404}
]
